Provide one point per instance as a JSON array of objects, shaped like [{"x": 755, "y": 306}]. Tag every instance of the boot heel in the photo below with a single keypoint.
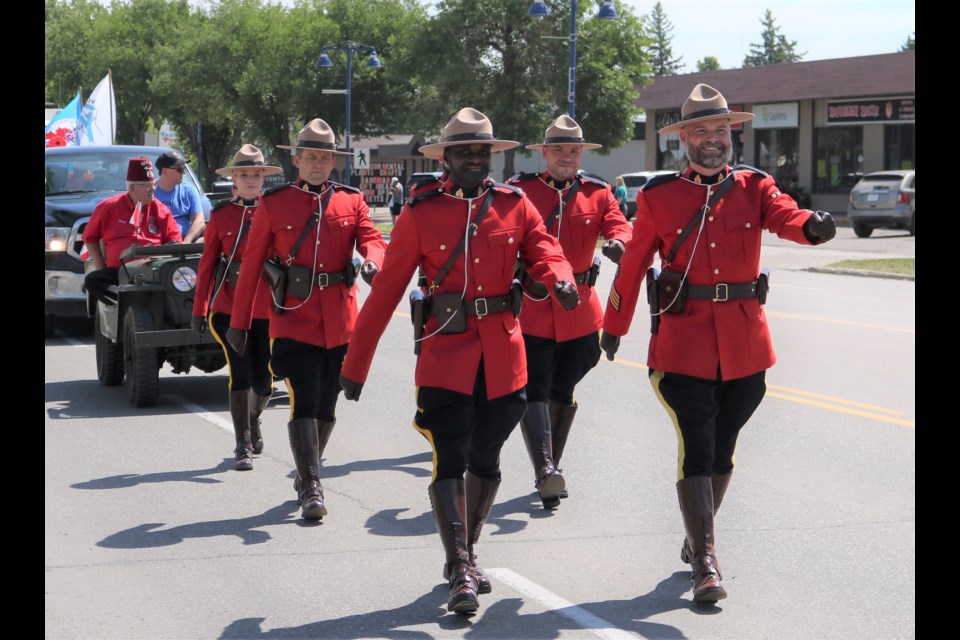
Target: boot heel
[{"x": 463, "y": 589}]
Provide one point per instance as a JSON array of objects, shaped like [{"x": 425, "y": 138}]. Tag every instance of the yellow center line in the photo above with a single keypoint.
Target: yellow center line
[{"x": 849, "y": 323}]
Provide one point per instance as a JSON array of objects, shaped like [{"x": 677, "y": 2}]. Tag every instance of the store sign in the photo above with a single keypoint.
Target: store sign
[
  {"x": 375, "y": 181},
  {"x": 874, "y": 110},
  {"x": 783, "y": 115}
]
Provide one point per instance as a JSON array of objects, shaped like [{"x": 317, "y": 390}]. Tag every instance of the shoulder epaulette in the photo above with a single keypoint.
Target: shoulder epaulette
[
  {"x": 420, "y": 195},
  {"x": 654, "y": 181},
  {"x": 746, "y": 167},
  {"x": 588, "y": 179},
  {"x": 522, "y": 176},
  {"x": 277, "y": 188},
  {"x": 515, "y": 189},
  {"x": 337, "y": 186},
  {"x": 221, "y": 204}
]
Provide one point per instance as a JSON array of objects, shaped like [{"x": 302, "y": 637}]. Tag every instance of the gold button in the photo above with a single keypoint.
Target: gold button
[
  {"x": 713, "y": 245},
  {"x": 509, "y": 240},
  {"x": 679, "y": 231},
  {"x": 229, "y": 233},
  {"x": 588, "y": 222},
  {"x": 716, "y": 271},
  {"x": 443, "y": 247},
  {"x": 476, "y": 260},
  {"x": 480, "y": 288},
  {"x": 710, "y": 218},
  {"x": 289, "y": 226},
  {"x": 320, "y": 266},
  {"x": 748, "y": 225}
]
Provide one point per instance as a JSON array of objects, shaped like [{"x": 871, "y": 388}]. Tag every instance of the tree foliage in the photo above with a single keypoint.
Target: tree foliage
[
  {"x": 661, "y": 51},
  {"x": 911, "y": 43},
  {"x": 774, "y": 48},
  {"x": 708, "y": 63}
]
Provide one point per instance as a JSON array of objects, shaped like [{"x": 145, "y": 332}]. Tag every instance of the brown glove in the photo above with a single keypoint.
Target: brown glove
[
  {"x": 567, "y": 295},
  {"x": 368, "y": 270},
  {"x": 198, "y": 324},
  {"x": 610, "y": 344},
  {"x": 237, "y": 339}
]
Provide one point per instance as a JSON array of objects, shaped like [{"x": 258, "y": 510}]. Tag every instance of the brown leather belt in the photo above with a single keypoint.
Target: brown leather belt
[
  {"x": 722, "y": 291},
  {"x": 479, "y": 307},
  {"x": 538, "y": 289},
  {"x": 327, "y": 278}
]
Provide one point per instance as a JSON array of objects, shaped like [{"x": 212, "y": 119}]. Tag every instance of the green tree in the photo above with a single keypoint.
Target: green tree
[
  {"x": 775, "y": 48},
  {"x": 661, "y": 52},
  {"x": 708, "y": 63},
  {"x": 490, "y": 55},
  {"x": 911, "y": 43}
]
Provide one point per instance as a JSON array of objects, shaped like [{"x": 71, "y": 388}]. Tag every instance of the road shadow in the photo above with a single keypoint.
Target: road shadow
[{"x": 127, "y": 480}]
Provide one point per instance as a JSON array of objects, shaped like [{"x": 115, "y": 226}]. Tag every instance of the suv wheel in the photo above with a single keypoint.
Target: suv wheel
[
  {"x": 109, "y": 357},
  {"x": 913, "y": 224},
  {"x": 141, "y": 364},
  {"x": 862, "y": 230}
]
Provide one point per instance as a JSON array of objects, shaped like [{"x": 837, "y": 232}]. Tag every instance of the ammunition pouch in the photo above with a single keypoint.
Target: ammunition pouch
[
  {"x": 538, "y": 290},
  {"x": 451, "y": 311},
  {"x": 672, "y": 291}
]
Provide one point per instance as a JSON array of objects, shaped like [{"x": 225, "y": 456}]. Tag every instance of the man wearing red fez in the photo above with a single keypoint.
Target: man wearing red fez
[{"x": 134, "y": 217}]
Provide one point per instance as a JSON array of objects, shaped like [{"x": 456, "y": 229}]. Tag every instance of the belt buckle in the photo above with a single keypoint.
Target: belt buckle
[
  {"x": 323, "y": 280},
  {"x": 718, "y": 290},
  {"x": 476, "y": 307}
]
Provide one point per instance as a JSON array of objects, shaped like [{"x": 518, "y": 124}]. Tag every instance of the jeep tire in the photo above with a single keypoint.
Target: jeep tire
[
  {"x": 109, "y": 357},
  {"x": 141, "y": 364}
]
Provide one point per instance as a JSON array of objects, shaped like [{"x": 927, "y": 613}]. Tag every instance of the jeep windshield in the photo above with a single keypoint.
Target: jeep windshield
[{"x": 91, "y": 172}]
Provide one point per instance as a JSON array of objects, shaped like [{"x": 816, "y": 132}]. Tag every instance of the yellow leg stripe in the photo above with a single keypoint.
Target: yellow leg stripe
[
  {"x": 223, "y": 345},
  {"x": 286, "y": 381},
  {"x": 428, "y": 435},
  {"x": 655, "y": 379}
]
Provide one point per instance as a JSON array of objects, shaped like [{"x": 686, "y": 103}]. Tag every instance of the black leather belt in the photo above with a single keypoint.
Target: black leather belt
[
  {"x": 479, "y": 307},
  {"x": 535, "y": 288},
  {"x": 722, "y": 291},
  {"x": 326, "y": 278}
]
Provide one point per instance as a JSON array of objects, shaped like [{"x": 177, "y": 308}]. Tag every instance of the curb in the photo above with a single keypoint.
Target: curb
[{"x": 863, "y": 273}]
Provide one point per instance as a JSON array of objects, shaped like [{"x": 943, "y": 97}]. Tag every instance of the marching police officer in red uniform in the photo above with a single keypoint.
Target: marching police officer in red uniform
[
  {"x": 311, "y": 227},
  {"x": 465, "y": 235},
  {"x": 250, "y": 381},
  {"x": 711, "y": 347},
  {"x": 562, "y": 347}
]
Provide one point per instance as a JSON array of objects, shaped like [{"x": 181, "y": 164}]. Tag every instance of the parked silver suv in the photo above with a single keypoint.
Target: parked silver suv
[
  {"x": 634, "y": 182},
  {"x": 884, "y": 200}
]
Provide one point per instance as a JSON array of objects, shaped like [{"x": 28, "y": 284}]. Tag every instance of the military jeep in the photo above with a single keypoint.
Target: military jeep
[{"x": 150, "y": 325}]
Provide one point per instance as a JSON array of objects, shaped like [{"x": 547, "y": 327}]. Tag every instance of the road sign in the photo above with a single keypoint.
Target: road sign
[{"x": 361, "y": 158}]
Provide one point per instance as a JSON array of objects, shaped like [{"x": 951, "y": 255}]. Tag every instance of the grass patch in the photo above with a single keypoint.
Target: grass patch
[
  {"x": 898, "y": 266},
  {"x": 384, "y": 227}
]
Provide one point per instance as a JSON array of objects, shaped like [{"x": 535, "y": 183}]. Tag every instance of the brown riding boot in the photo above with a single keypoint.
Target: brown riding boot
[
  {"x": 535, "y": 427},
  {"x": 303, "y": 443},
  {"x": 481, "y": 493},
  {"x": 561, "y": 419},
  {"x": 696, "y": 506},
  {"x": 324, "y": 429},
  {"x": 720, "y": 482},
  {"x": 257, "y": 405},
  {"x": 240, "y": 415},
  {"x": 449, "y": 511}
]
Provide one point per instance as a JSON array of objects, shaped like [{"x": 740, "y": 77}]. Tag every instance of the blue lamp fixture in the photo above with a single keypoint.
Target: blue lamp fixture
[
  {"x": 607, "y": 12},
  {"x": 324, "y": 62}
]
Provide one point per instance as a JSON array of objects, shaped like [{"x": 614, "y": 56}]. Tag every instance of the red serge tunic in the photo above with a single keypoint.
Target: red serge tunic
[
  {"x": 113, "y": 222},
  {"x": 220, "y": 237},
  {"x": 326, "y": 318},
  {"x": 593, "y": 212},
  {"x": 425, "y": 235},
  {"x": 732, "y": 335}
]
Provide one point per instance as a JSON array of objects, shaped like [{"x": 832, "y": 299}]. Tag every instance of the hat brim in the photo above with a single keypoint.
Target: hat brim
[
  {"x": 266, "y": 169},
  {"x": 436, "y": 149},
  {"x": 333, "y": 151},
  {"x": 582, "y": 145},
  {"x": 735, "y": 117}
]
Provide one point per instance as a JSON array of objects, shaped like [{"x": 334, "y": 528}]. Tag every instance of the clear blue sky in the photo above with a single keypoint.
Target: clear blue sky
[{"x": 823, "y": 29}]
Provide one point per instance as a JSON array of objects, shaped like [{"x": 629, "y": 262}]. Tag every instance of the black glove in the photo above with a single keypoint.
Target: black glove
[
  {"x": 609, "y": 343},
  {"x": 198, "y": 324},
  {"x": 351, "y": 389},
  {"x": 237, "y": 339},
  {"x": 613, "y": 249},
  {"x": 820, "y": 226},
  {"x": 567, "y": 295},
  {"x": 367, "y": 271}
]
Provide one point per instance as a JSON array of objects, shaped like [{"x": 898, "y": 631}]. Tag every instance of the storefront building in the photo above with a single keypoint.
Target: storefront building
[{"x": 819, "y": 125}]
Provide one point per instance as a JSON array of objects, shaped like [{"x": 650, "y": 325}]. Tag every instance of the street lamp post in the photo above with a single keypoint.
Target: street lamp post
[
  {"x": 607, "y": 12},
  {"x": 323, "y": 62}
]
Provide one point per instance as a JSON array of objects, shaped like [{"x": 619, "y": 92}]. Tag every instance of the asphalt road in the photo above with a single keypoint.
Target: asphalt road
[{"x": 149, "y": 533}]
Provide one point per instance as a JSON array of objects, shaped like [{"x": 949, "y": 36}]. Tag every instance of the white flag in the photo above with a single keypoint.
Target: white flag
[
  {"x": 135, "y": 216},
  {"x": 98, "y": 120}
]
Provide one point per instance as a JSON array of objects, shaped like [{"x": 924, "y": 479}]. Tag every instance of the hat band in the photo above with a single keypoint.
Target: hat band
[
  {"x": 469, "y": 136},
  {"x": 563, "y": 140},
  {"x": 248, "y": 163},
  {"x": 706, "y": 112},
  {"x": 310, "y": 144}
]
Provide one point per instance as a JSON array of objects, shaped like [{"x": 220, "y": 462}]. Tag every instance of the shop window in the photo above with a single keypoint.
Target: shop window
[
  {"x": 899, "y": 144},
  {"x": 838, "y": 158}
]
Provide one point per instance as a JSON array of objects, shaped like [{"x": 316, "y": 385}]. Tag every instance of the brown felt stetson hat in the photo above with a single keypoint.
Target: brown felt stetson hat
[
  {"x": 317, "y": 135},
  {"x": 469, "y": 126},
  {"x": 249, "y": 157},
  {"x": 564, "y": 130},
  {"x": 705, "y": 103}
]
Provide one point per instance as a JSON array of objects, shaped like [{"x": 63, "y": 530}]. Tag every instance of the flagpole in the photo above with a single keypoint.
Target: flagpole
[{"x": 113, "y": 127}]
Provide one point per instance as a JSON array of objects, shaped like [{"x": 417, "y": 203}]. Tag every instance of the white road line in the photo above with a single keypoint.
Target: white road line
[
  {"x": 594, "y": 624},
  {"x": 226, "y": 425}
]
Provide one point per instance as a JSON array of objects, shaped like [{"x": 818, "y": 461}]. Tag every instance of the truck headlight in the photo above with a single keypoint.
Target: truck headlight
[
  {"x": 184, "y": 279},
  {"x": 55, "y": 238}
]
